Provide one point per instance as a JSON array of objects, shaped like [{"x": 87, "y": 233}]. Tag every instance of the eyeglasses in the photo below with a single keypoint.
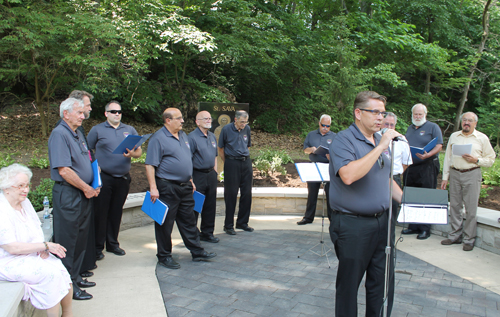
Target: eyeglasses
[
  {"x": 115, "y": 111},
  {"x": 468, "y": 120},
  {"x": 178, "y": 118},
  {"x": 205, "y": 119},
  {"x": 375, "y": 112},
  {"x": 325, "y": 125},
  {"x": 21, "y": 186},
  {"x": 390, "y": 125},
  {"x": 243, "y": 122}
]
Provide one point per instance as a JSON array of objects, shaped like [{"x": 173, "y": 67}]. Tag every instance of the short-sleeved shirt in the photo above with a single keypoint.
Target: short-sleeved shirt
[
  {"x": 368, "y": 195},
  {"x": 234, "y": 142},
  {"x": 69, "y": 149},
  {"x": 171, "y": 156},
  {"x": 423, "y": 135},
  {"x": 104, "y": 138},
  {"x": 204, "y": 149},
  {"x": 315, "y": 138}
]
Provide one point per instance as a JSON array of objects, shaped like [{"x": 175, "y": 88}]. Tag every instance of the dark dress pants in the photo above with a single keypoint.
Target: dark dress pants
[
  {"x": 238, "y": 175},
  {"x": 422, "y": 175},
  {"x": 90, "y": 258},
  {"x": 180, "y": 202},
  {"x": 312, "y": 198},
  {"x": 360, "y": 247},
  {"x": 72, "y": 215},
  {"x": 206, "y": 183},
  {"x": 108, "y": 208}
]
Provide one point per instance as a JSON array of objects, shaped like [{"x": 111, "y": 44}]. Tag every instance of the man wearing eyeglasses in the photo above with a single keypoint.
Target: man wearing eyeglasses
[
  {"x": 464, "y": 175},
  {"x": 115, "y": 168},
  {"x": 234, "y": 144},
  {"x": 169, "y": 170},
  {"x": 314, "y": 139},
  {"x": 425, "y": 168},
  {"x": 359, "y": 195},
  {"x": 204, "y": 148}
]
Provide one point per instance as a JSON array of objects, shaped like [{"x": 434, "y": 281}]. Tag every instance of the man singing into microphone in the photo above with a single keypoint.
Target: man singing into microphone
[{"x": 359, "y": 195}]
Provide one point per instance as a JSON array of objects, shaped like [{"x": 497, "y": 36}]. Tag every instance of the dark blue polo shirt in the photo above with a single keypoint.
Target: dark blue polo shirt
[
  {"x": 234, "y": 142},
  {"x": 204, "y": 149},
  {"x": 171, "y": 157},
  {"x": 423, "y": 135},
  {"x": 68, "y": 149},
  {"x": 315, "y": 138},
  {"x": 368, "y": 195},
  {"x": 104, "y": 138}
]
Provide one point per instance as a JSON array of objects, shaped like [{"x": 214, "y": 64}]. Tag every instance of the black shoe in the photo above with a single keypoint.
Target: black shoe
[
  {"x": 245, "y": 227},
  {"x": 99, "y": 256},
  {"x": 117, "y": 251},
  {"x": 204, "y": 256},
  {"x": 95, "y": 267},
  {"x": 169, "y": 263},
  {"x": 424, "y": 235},
  {"x": 81, "y": 295},
  {"x": 409, "y": 231},
  {"x": 86, "y": 274},
  {"x": 230, "y": 231},
  {"x": 209, "y": 238},
  {"x": 85, "y": 284},
  {"x": 304, "y": 221}
]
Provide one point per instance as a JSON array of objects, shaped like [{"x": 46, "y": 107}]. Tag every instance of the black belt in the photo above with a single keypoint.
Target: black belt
[
  {"x": 207, "y": 170},
  {"x": 63, "y": 183},
  {"x": 174, "y": 182},
  {"x": 238, "y": 158},
  {"x": 378, "y": 214},
  {"x": 466, "y": 170}
]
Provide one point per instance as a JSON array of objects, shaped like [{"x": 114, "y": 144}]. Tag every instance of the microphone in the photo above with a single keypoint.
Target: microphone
[{"x": 398, "y": 138}]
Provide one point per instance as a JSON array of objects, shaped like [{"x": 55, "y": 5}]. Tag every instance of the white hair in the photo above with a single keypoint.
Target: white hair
[
  {"x": 69, "y": 104},
  {"x": 9, "y": 173},
  {"x": 419, "y": 104},
  {"x": 325, "y": 116},
  {"x": 392, "y": 114},
  {"x": 475, "y": 115}
]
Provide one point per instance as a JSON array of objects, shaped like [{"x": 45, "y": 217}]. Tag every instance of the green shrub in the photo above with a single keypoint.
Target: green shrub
[
  {"x": 41, "y": 162},
  {"x": 492, "y": 176},
  {"x": 483, "y": 194},
  {"x": 271, "y": 161},
  {"x": 44, "y": 189},
  {"x": 141, "y": 159},
  {"x": 6, "y": 160}
]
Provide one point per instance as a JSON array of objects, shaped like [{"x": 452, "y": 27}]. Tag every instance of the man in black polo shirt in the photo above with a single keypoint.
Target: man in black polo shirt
[
  {"x": 425, "y": 168},
  {"x": 234, "y": 142},
  {"x": 70, "y": 168},
  {"x": 108, "y": 206},
  {"x": 360, "y": 166},
  {"x": 321, "y": 137},
  {"x": 204, "y": 148},
  {"x": 169, "y": 169}
]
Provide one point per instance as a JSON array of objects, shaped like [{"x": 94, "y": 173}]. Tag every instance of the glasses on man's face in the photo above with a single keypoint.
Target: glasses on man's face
[
  {"x": 243, "y": 122},
  {"x": 205, "y": 119},
  {"x": 178, "y": 118},
  {"x": 375, "y": 112},
  {"x": 467, "y": 120},
  {"x": 389, "y": 125},
  {"x": 21, "y": 186},
  {"x": 325, "y": 125},
  {"x": 115, "y": 111}
]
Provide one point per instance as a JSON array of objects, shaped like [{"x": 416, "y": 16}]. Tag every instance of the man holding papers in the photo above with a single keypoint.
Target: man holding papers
[
  {"x": 204, "y": 148},
  {"x": 169, "y": 170},
  {"x": 463, "y": 171},
  {"x": 321, "y": 137},
  {"x": 70, "y": 168},
  {"x": 425, "y": 169},
  {"x": 108, "y": 206}
]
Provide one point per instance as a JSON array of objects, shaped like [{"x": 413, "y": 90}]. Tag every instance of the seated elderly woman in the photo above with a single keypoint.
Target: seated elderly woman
[{"x": 24, "y": 256}]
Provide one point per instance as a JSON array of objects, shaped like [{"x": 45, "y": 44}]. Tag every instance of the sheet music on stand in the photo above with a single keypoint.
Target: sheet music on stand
[
  {"x": 424, "y": 205},
  {"x": 313, "y": 172}
]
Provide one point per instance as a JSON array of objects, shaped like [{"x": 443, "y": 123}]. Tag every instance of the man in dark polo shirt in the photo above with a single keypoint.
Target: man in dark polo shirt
[
  {"x": 360, "y": 166},
  {"x": 204, "y": 148},
  {"x": 70, "y": 168},
  {"x": 169, "y": 169},
  {"x": 425, "y": 168},
  {"x": 321, "y": 137},
  {"x": 234, "y": 142},
  {"x": 108, "y": 206}
]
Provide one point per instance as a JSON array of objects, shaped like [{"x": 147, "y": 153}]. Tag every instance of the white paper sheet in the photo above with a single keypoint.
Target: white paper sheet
[
  {"x": 431, "y": 214},
  {"x": 461, "y": 149}
]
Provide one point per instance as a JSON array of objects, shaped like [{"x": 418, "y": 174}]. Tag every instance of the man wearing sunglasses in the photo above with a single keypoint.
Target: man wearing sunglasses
[
  {"x": 314, "y": 139},
  {"x": 108, "y": 206}
]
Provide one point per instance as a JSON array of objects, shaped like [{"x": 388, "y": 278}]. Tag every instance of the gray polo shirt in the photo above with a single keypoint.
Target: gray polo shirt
[
  {"x": 234, "y": 142},
  {"x": 204, "y": 149},
  {"x": 315, "y": 138},
  {"x": 422, "y": 136},
  {"x": 368, "y": 195},
  {"x": 104, "y": 138},
  {"x": 68, "y": 149},
  {"x": 171, "y": 157}
]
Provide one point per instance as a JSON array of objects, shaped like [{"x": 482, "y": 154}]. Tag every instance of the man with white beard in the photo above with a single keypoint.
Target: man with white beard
[{"x": 425, "y": 168}]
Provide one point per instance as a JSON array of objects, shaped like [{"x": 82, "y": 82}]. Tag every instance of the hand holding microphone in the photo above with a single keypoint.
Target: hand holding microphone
[{"x": 396, "y": 135}]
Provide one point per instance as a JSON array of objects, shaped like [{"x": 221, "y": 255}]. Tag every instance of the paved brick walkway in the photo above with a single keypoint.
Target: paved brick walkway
[{"x": 260, "y": 274}]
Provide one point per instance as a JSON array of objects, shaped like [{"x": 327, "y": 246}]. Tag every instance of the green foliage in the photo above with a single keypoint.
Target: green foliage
[
  {"x": 39, "y": 162},
  {"x": 141, "y": 159},
  {"x": 44, "y": 189},
  {"x": 270, "y": 161},
  {"x": 6, "y": 160},
  {"x": 483, "y": 194},
  {"x": 491, "y": 176}
]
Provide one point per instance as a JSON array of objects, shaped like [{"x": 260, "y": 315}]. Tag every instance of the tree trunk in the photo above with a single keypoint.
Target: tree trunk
[
  {"x": 39, "y": 105},
  {"x": 465, "y": 92}
]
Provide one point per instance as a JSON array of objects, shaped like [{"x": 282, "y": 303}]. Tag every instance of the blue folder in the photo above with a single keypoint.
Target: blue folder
[
  {"x": 414, "y": 150},
  {"x": 96, "y": 182},
  {"x": 130, "y": 142},
  {"x": 157, "y": 210},
  {"x": 199, "y": 199},
  {"x": 322, "y": 151}
]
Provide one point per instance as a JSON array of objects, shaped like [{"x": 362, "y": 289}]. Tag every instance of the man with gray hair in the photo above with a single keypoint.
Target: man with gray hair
[
  {"x": 70, "y": 168},
  {"x": 464, "y": 176},
  {"x": 314, "y": 139}
]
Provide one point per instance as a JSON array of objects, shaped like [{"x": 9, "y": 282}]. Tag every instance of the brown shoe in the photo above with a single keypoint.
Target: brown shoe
[
  {"x": 468, "y": 247},
  {"x": 450, "y": 242}
]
